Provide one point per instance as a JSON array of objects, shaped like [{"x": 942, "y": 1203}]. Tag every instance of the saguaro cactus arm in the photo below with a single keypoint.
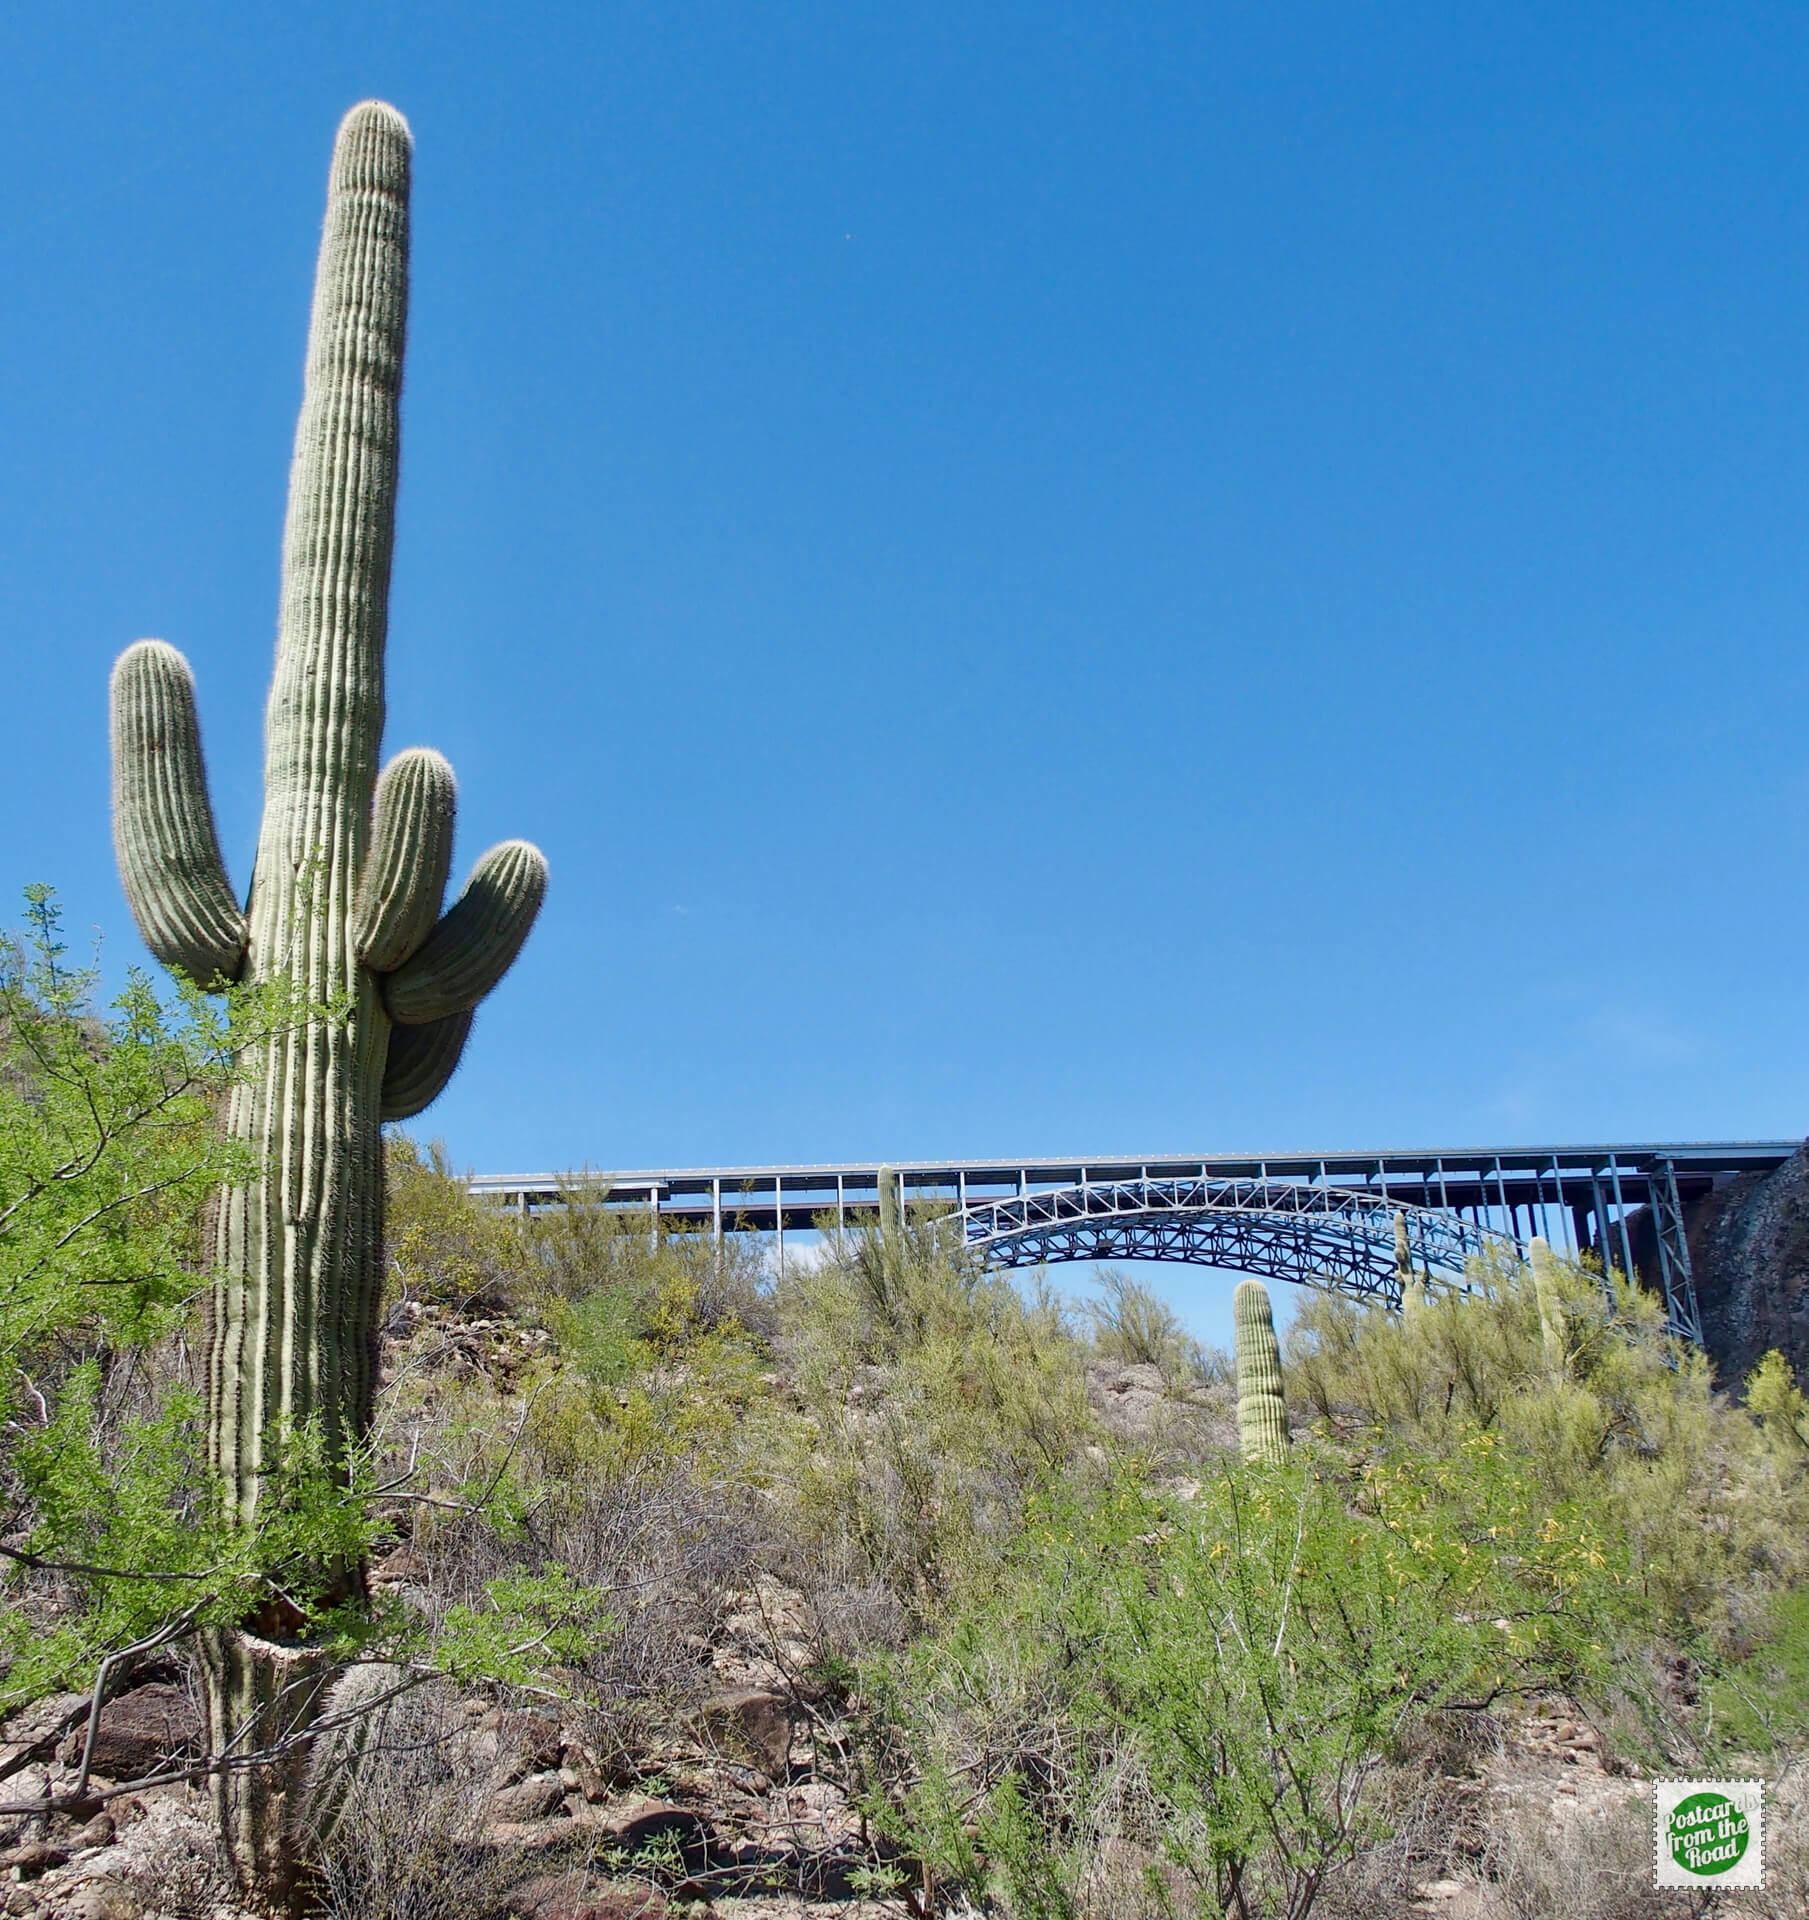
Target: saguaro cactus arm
[
  {"x": 1262, "y": 1410},
  {"x": 421, "y": 1061},
  {"x": 474, "y": 945},
  {"x": 404, "y": 877},
  {"x": 163, "y": 824}
]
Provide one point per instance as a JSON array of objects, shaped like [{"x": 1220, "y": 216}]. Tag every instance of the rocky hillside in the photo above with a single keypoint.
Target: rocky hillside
[
  {"x": 1749, "y": 1252},
  {"x": 1749, "y": 1257},
  {"x": 896, "y": 1583}
]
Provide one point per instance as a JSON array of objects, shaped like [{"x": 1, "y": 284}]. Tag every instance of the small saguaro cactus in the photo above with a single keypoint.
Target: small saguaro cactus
[
  {"x": 344, "y": 907},
  {"x": 1262, "y": 1411},
  {"x": 888, "y": 1205},
  {"x": 1413, "y": 1291},
  {"x": 1552, "y": 1340}
]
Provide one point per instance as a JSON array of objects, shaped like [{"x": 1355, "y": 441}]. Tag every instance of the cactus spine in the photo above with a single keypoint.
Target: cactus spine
[
  {"x": 1262, "y": 1411},
  {"x": 344, "y": 906}
]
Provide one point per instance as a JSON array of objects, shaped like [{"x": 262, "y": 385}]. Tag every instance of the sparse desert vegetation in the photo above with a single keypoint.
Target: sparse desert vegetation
[{"x": 887, "y": 1585}]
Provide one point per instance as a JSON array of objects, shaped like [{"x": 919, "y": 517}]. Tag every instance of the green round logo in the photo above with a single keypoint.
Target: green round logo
[{"x": 1707, "y": 1834}]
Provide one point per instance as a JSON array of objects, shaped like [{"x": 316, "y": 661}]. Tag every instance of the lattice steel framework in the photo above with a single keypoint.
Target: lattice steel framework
[{"x": 1315, "y": 1236}]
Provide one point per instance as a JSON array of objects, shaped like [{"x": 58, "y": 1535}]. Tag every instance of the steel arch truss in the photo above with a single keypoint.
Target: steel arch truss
[{"x": 1317, "y": 1236}]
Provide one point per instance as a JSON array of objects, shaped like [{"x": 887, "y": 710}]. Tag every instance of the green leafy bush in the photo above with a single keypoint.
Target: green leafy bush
[
  {"x": 111, "y": 1527},
  {"x": 1707, "y": 1504},
  {"x": 1249, "y": 1649},
  {"x": 438, "y": 1245}
]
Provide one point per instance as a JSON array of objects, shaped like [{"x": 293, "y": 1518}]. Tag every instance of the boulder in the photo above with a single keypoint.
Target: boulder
[
  {"x": 522, "y": 1743},
  {"x": 41, "y": 1725},
  {"x": 643, "y": 1822},
  {"x": 33, "y": 1858},
  {"x": 756, "y": 1722},
  {"x": 104, "y": 1899},
  {"x": 144, "y": 1731},
  {"x": 534, "y": 1798},
  {"x": 574, "y": 1896},
  {"x": 99, "y": 1832},
  {"x": 625, "y": 1903},
  {"x": 1128, "y": 1398}
]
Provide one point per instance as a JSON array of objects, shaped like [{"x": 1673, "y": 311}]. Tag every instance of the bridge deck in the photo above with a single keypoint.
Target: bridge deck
[
  {"x": 1263, "y": 1212},
  {"x": 1492, "y": 1183}
]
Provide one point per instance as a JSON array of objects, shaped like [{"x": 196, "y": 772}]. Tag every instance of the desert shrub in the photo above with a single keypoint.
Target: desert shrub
[
  {"x": 668, "y": 1286},
  {"x": 1704, "y": 1502},
  {"x": 1778, "y": 1403},
  {"x": 1591, "y": 1863},
  {"x": 1541, "y": 1858},
  {"x": 1761, "y": 1692},
  {"x": 190, "y": 1876},
  {"x": 406, "y": 1841},
  {"x": 609, "y": 1352},
  {"x": 936, "y": 1401},
  {"x": 592, "y": 1268},
  {"x": 1428, "y": 1821},
  {"x": 1250, "y": 1653},
  {"x": 604, "y": 1429},
  {"x": 1133, "y": 1324},
  {"x": 439, "y": 1243},
  {"x": 1786, "y": 1893}
]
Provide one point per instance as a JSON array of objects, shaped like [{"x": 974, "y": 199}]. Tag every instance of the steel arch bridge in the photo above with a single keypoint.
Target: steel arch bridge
[
  {"x": 1315, "y": 1236},
  {"x": 1321, "y": 1220}
]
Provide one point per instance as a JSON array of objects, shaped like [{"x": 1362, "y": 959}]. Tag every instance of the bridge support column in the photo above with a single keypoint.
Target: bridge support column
[
  {"x": 1673, "y": 1253},
  {"x": 1599, "y": 1240},
  {"x": 1620, "y": 1210},
  {"x": 1566, "y": 1216}
]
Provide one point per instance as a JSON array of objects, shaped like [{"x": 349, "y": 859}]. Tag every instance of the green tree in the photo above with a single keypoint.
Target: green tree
[
  {"x": 117, "y": 1535},
  {"x": 112, "y": 1532}
]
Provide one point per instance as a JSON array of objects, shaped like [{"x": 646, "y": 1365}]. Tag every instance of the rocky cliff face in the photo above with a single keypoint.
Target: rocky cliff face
[{"x": 1749, "y": 1255}]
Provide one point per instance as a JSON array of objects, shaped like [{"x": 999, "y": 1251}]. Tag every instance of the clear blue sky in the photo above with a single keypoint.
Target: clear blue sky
[{"x": 1050, "y": 578}]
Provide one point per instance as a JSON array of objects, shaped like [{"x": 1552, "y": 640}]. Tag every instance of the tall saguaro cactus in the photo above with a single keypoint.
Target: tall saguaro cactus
[
  {"x": 344, "y": 906},
  {"x": 1262, "y": 1409}
]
